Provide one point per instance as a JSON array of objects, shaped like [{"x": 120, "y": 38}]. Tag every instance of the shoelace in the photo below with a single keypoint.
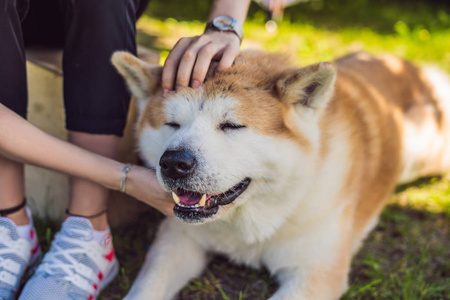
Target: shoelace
[{"x": 69, "y": 268}]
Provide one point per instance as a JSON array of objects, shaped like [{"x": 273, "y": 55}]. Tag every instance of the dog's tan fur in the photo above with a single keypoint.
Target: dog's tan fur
[{"x": 366, "y": 121}]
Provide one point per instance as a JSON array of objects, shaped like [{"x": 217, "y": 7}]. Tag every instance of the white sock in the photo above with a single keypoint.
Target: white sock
[
  {"x": 27, "y": 231},
  {"x": 24, "y": 231},
  {"x": 100, "y": 235}
]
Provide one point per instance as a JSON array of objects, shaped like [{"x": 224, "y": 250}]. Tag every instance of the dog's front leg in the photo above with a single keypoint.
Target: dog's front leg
[
  {"x": 316, "y": 284},
  {"x": 171, "y": 262},
  {"x": 313, "y": 266}
]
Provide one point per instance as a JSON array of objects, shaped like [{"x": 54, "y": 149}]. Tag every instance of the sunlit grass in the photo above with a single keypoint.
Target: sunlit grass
[
  {"x": 432, "y": 195},
  {"x": 307, "y": 44},
  {"x": 407, "y": 255}
]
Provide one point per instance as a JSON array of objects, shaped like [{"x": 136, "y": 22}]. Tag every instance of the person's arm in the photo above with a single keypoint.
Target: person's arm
[
  {"x": 193, "y": 55},
  {"x": 23, "y": 142}
]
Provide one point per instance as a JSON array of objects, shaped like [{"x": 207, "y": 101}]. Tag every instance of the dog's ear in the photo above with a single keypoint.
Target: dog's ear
[
  {"x": 310, "y": 87},
  {"x": 143, "y": 79}
]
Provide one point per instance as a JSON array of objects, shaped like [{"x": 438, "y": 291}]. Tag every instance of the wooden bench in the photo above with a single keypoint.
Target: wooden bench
[{"x": 48, "y": 191}]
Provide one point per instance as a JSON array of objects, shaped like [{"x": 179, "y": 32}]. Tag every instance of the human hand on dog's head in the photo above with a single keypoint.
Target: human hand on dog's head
[
  {"x": 143, "y": 185},
  {"x": 193, "y": 56}
]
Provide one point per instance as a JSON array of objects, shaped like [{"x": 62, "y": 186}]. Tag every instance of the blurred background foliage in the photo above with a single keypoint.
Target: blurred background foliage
[
  {"x": 380, "y": 15},
  {"x": 318, "y": 29}
]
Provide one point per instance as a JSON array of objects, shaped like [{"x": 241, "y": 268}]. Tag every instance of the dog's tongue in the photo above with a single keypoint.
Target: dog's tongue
[{"x": 190, "y": 198}]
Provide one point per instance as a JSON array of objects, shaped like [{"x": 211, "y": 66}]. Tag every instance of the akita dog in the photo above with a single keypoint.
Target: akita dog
[{"x": 283, "y": 167}]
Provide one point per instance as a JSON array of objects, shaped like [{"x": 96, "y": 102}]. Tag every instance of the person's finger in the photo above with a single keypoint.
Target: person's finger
[
  {"x": 188, "y": 60},
  {"x": 227, "y": 60},
  {"x": 172, "y": 62},
  {"x": 202, "y": 63}
]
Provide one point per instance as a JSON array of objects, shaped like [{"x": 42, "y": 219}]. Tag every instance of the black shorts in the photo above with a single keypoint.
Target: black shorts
[{"x": 89, "y": 31}]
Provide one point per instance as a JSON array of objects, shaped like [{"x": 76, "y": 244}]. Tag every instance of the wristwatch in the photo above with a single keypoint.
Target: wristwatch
[{"x": 226, "y": 23}]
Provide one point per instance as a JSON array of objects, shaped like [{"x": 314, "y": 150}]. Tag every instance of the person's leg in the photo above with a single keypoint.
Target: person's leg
[
  {"x": 96, "y": 98},
  {"x": 13, "y": 94},
  {"x": 20, "y": 249},
  {"x": 96, "y": 101},
  {"x": 86, "y": 197},
  {"x": 12, "y": 189}
]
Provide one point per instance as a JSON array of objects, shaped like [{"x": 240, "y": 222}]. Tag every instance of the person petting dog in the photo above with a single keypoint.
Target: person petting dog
[{"x": 81, "y": 260}]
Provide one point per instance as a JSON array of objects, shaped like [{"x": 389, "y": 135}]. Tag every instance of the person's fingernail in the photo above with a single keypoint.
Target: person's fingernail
[
  {"x": 196, "y": 84},
  {"x": 165, "y": 92},
  {"x": 179, "y": 87}
]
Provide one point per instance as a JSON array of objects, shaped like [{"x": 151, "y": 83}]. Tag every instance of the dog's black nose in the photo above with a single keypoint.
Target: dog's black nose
[{"x": 177, "y": 164}]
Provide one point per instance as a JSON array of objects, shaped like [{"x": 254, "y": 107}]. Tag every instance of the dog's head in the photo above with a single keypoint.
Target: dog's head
[{"x": 242, "y": 139}]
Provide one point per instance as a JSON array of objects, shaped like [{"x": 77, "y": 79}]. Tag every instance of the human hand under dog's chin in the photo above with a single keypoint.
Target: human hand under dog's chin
[
  {"x": 143, "y": 185},
  {"x": 189, "y": 60}
]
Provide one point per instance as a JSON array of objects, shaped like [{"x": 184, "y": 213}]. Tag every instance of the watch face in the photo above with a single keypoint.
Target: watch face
[{"x": 223, "y": 22}]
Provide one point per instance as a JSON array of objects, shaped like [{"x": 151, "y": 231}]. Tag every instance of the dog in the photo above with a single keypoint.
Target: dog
[{"x": 283, "y": 167}]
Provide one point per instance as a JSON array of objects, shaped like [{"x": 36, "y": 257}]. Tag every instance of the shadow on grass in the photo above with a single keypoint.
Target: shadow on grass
[{"x": 417, "y": 183}]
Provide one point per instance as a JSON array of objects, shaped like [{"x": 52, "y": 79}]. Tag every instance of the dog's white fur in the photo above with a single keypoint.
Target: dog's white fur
[{"x": 304, "y": 213}]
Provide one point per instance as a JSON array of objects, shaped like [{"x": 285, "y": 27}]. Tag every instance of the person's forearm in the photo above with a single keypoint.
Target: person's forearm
[
  {"x": 233, "y": 8},
  {"x": 23, "y": 142}
]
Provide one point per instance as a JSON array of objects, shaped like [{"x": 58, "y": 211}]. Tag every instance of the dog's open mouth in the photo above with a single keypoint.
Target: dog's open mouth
[{"x": 193, "y": 207}]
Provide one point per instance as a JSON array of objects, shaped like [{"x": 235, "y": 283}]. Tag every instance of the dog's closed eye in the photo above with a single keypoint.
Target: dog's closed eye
[
  {"x": 173, "y": 125},
  {"x": 226, "y": 126}
]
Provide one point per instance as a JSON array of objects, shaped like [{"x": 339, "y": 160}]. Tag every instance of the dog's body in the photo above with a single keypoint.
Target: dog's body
[{"x": 302, "y": 184}]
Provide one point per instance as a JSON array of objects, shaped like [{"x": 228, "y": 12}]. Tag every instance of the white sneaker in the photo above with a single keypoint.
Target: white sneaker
[
  {"x": 76, "y": 267},
  {"x": 18, "y": 257}
]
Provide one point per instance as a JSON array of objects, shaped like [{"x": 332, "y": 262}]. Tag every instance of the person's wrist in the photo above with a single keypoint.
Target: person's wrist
[
  {"x": 223, "y": 33},
  {"x": 111, "y": 175},
  {"x": 212, "y": 31},
  {"x": 226, "y": 24}
]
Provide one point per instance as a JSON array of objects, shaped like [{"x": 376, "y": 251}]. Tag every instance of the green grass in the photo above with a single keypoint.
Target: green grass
[
  {"x": 316, "y": 31},
  {"x": 407, "y": 256},
  {"x": 307, "y": 44}
]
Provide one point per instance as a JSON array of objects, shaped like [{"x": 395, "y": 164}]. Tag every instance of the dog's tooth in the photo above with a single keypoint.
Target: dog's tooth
[
  {"x": 175, "y": 198},
  {"x": 202, "y": 201}
]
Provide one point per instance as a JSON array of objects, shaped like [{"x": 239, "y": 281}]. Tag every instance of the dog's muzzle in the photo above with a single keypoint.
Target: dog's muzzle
[{"x": 193, "y": 207}]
